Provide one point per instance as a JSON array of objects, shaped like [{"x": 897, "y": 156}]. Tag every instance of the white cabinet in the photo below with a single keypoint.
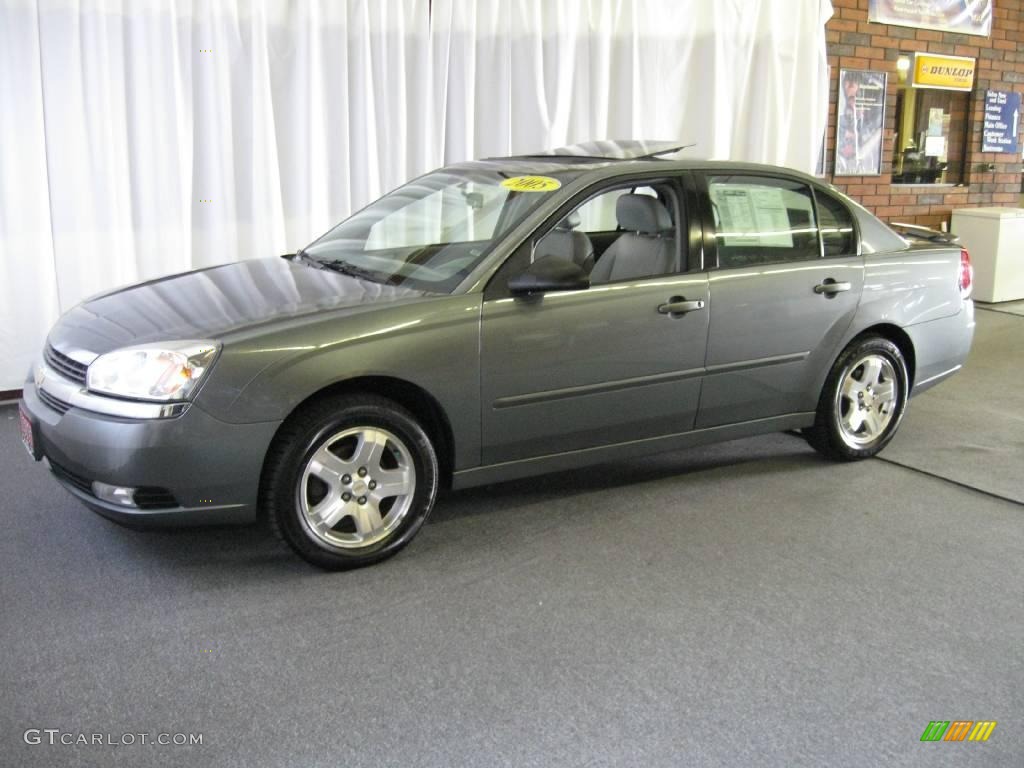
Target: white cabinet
[{"x": 995, "y": 239}]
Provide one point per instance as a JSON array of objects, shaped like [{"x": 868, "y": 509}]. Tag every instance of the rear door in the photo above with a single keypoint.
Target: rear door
[
  {"x": 785, "y": 282},
  {"x": 572, "y": 370}
]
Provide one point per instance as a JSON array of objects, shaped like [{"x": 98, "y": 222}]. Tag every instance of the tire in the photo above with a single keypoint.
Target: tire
[
  {"x": 349, "y": 481},
  {"x": 863, "y": 401}
]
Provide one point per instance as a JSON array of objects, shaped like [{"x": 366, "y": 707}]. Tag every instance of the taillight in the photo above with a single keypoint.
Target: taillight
[{"x": 966, "y": 273}]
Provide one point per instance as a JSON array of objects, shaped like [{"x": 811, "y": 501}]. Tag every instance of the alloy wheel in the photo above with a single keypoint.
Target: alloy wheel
[
  {"x": 867, "y": 400},
  {"x": 356, "y": 487}
]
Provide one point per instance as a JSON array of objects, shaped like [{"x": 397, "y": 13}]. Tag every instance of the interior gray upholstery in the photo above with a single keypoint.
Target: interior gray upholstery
[
  {"x": 646, "y": 249},
  {"x": 565, "y": 243},
  {"x": 643, "y": 214}
]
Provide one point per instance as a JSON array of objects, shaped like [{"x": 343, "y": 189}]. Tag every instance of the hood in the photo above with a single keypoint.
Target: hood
[{"x": 210, "y": 303}]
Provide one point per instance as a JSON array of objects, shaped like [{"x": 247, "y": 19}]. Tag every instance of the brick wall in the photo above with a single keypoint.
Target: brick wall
[{"x": 854, "y": 43}]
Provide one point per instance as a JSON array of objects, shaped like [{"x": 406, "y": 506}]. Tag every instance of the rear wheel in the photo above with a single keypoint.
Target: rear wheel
[
  {"x": 862, "y": 402},
  {"x": 350, "y": 481}
]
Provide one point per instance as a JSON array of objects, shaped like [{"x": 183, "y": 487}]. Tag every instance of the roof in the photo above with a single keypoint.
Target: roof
[
  {"x": 612, "y": 149},
  {"x": 613, "y": 157}
]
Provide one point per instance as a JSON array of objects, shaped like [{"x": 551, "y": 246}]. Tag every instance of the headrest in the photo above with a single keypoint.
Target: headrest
[
  {"x": 643, "y": 214},
  {"x": 571, "y": 221}
]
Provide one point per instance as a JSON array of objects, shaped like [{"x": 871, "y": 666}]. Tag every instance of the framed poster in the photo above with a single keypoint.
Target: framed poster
[
  {"x": 969, "y": 17},
  {"x": 860, "y": 122}
]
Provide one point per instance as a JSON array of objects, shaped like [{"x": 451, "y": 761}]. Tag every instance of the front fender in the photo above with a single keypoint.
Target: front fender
[{"x": 432, "y": 345}]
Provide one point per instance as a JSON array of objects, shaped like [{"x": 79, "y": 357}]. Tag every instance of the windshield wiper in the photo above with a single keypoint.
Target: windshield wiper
[
  {"x": 338, "y": 265},
  {"x": 345, "y": 268}
]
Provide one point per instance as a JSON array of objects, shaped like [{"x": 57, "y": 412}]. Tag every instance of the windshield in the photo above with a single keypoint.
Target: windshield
[{"x": 432, "y": 232}]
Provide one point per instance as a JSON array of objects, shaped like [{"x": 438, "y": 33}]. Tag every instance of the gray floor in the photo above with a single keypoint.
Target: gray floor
[
  {"x": 970, "y": 429},
  {"x": 1011, "y": 307},
  {"x": 744, "y": 605}
]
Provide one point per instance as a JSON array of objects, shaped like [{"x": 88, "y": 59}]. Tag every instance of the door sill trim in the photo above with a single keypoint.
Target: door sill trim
[{"x": 539, "y": 465}]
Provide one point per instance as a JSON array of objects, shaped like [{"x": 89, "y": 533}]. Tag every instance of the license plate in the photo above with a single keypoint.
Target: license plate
[{"x": 27, "y": 434}]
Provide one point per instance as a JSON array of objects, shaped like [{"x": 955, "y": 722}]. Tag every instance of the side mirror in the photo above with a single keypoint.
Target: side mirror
[{"x": 550, "y": 273}]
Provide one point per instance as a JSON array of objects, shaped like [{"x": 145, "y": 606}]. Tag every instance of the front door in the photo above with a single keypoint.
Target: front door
[{"x": 610, "y": 364}]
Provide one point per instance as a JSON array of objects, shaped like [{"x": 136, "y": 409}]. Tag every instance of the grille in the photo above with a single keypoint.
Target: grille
[
  {"x": 71, "y": 478},
  {"x": 64, "y": 365},
  {"x": 154, "y": 498},
  {"x": 57, "y": 404}
]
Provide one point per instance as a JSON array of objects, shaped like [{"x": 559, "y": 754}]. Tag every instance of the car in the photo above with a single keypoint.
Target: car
[{"x": 493, "y": 320}]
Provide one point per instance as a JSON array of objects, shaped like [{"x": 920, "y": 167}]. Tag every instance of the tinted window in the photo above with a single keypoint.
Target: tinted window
[
  {"x": 760, "y": 220},
  {"x": 837, "y": 232}
]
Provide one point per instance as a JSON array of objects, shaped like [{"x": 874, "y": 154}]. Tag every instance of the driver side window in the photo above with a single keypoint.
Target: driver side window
[
  {"x": 598, "y": 213},
  {"x": 632, "y": 232},
  {"x": 628, "y": 232}
]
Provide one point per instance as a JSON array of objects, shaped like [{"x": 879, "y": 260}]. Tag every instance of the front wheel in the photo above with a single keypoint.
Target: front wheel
[
  {"x": 862, "y": 402},
  {"x": 349, "y": 481}
]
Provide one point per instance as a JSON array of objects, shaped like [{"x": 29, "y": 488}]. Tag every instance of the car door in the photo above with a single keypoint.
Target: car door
[
  {"x": 783, "y": 291},
  {"x": 571, "y": 370}
]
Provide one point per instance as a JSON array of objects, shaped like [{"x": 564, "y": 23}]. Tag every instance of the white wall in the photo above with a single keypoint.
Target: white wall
[{"x": 119, "y": 120}]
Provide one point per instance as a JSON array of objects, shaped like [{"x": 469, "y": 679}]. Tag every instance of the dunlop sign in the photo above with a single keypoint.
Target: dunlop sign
[{"x": 950, "y": 73}]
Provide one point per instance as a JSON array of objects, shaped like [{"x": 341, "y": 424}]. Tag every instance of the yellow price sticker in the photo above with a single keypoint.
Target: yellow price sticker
[{"x": 531, "y": 184}]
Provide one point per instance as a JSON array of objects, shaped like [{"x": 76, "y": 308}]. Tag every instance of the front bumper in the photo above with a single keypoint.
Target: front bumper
[{"x": 210, "y": 468}]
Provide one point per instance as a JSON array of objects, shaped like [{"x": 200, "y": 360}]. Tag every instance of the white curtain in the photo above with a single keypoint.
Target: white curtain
[
  {"x": 144, "y": 137},
  {"x": 741, "y": 79}
]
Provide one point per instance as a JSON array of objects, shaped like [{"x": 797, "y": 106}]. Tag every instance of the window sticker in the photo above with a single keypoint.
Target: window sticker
[
  {"x": 531, "y": 184},
  {"x": 752, "y": 215}
]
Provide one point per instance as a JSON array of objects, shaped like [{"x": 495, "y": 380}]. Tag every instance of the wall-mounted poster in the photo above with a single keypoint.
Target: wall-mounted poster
[
  {"x": 860, "y": 122},
  {"x": 969, "y": 17},
  {"x": 1002, "y": 122}
]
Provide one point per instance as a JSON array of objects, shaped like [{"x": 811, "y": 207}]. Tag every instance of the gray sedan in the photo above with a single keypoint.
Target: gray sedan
[{"x": 495, "y": 320}]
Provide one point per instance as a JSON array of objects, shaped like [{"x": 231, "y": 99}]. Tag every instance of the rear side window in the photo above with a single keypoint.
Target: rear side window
[
  {"x": 837, "y": 232},
  {"x": 762, "y": 220}
]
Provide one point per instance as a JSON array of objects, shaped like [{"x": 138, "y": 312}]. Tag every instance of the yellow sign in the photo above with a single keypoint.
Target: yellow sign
[
  {"x": 531, "y": 184},
  {"x": 949, "y": 73}
]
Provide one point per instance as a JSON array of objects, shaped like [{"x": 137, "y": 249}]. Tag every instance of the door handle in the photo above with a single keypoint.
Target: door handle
[
  {"x": 678, "y": 306},
  {"x": 830, "y": 287}
]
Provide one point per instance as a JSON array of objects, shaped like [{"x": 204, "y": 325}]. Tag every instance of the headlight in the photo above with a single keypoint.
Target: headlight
[{"x": 163, "y": 371}]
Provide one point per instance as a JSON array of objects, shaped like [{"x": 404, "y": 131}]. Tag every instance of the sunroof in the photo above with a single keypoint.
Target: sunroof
[{"x": 614, "y": 149}]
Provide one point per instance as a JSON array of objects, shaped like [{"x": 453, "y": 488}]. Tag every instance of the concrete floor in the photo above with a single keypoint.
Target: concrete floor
[{"x": 743, "y": 605}]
